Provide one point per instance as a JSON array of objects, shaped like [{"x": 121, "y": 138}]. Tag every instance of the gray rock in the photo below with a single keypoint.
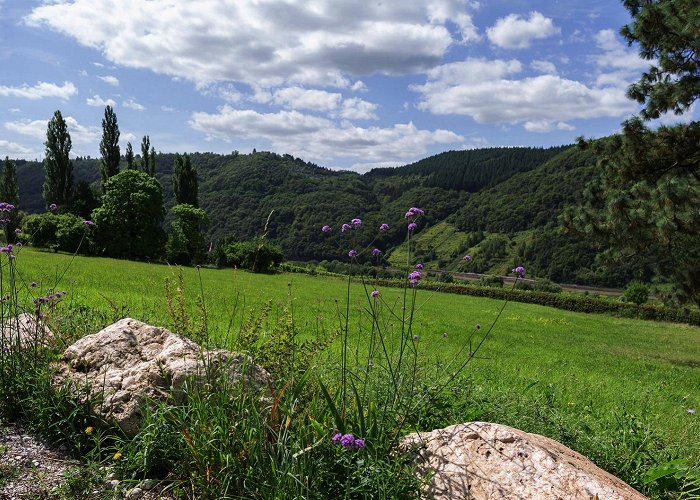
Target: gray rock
[
  {"x": 479, "y": 460},
  {"x": 130, "y": 362},
  {"x": 24, "y": 331}
]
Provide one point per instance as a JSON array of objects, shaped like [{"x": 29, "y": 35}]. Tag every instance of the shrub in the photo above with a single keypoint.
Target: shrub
[
  {"x": 637, "y": 293},
  {"x": 259, "y": 257},
  {"x": 65, "y": 232},
  {"x": 491, "y": 281},
  {"x": 41, "y": 229},
  {"x": 545, "y": 285}
]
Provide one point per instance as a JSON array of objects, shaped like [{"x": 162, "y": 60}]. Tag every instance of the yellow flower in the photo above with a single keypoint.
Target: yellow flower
[
  {"x": 89, "y": 430},
  {"x": 117, "y": 456}
]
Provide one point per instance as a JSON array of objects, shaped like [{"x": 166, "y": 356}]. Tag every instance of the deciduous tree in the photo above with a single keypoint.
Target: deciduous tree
[{"x": 58, "y": 182}]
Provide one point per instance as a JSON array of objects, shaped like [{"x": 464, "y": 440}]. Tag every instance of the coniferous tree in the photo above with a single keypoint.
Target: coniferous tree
[
  {"x": 645, "y": 203},
  {"x": 145, "y": 154},
  {"x": 129, "y": 156},
  {"x": 185, "y": 181},
  {"x": 9, "y": 193},
  {"x": 58, "y": 182},
  {"x": 109, "y": 146}
]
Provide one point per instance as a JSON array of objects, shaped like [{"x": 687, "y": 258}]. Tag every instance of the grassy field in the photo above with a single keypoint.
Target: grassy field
[{"x": 595, "y": 382}]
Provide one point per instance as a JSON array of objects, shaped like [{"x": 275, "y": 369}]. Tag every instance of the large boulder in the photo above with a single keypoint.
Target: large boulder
[
  {"x": 480, "y": 460},
  {"x": 130, "y": 362},
  {"x": 24, "y": 332}
]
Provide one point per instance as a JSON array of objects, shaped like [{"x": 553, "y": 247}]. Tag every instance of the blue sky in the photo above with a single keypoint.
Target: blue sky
[{"x": 342, "y": 83}]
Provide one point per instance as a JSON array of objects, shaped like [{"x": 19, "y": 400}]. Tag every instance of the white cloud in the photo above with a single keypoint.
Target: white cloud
[
  {"x": 36, "y": 129},
  {"x": 167, "y": 109},
  {"x": 299, "y": 98},
  {"x": 515, "y": 32},
  {"x": 616, "y": 55},
  {"x": 362, "y": 168},
  {"x": 40, "y": 91},
  {"x": 110, "y": 80},
  {"x": 97, "y": 64},
  {"x": 358, "y": 109},
  {"x": 487, "y": 91},
  {"x": 565, "y": 126},
  {"x": 131, "y": 104},
  {"x": 265, "y": 42},
  {"x": 97, "y": 101},
  {"x": 318, "y": 138},
  {"x": 359, "y": 86},
  {"x": 545, "y": 67},
  {"x": 14, "y": 150}
]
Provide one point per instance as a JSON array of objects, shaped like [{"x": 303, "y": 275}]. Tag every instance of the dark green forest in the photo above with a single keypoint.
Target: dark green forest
[{"x": 493, "y": 191}]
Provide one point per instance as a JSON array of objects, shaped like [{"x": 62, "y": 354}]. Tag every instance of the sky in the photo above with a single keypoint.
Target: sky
[{"x": 341, "y": 83}]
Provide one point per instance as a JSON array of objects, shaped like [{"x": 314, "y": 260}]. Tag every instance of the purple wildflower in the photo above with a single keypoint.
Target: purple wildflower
[
  {"x": 416, "y": 211},
  {"x": 376, "y": 252},
  {"x": 359, "y": 443},
  {"x": 375, "y": 293},
  {"x": 9, "y": 247},
  {"x": 408, "y": 215},
  {"x": 384, "y": 227},
  {"x": 347, "y": 441},
  {"x": 344, "y": 227},
  {"x": 519, "y": 271},
  {"x": 12, "y": 257},
  {"x": 336, "y": 438},
  {"x": 352, "y": 253},
  {"x": 356, "y": 222},
  {"x": 53, "y": 206},
  {"x": 467, "y": 258},
  {"x": 58, "y": 295},
  {"x": 415, "y": 275},
  {"x": 419, "y": 266},
  {"x": 88, "y": 223},
  {"x": 414, "y": 282},
  {"x": 691, "y": 411},
  {"x": 33, "y": 284},
  {"x": 18, "y": 230},
  {"x": 4, "y": 249},
  {"x": 326, "y": 228},
  {"x": 412, "y": 226}
]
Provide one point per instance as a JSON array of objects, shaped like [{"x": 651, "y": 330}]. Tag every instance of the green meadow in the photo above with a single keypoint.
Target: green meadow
[{"x": 547, "y": 370}]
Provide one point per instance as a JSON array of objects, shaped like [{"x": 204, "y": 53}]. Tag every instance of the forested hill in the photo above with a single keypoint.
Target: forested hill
[{"x": 498, "y": 190}]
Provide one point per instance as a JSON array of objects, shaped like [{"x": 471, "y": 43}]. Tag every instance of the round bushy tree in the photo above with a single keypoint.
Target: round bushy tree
[
  {"x": 186, "y": 242},
  {"x": 129, "y": 222},
  {"x": 637, "y": 293}
]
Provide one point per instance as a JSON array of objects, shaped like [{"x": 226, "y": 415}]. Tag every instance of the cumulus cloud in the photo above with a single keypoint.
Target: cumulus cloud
[
  {"x": 358, "y": 109},
  {"x": 265, "y": 42},
  {"x": 110, "y": 80},
  {"x": 515, "y": 32},
  {"x": 319, "y": 138},
  {"x": 36, "y": 129},
  {"x": 40, "y": 91},
  {"x": 619, "y": 65},
  {"x": 131, "y": 104},
  {"x": 300, "y": 98},
  {"x": 359, "y": 86},
  {"x": 14, "y": 150},
  {"x": 488, "y": 92},
  {"x": 97, "y": 101},
  {"x": 545, "y": 67}
]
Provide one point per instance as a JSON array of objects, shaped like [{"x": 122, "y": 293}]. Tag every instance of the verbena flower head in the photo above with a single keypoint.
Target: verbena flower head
[
  {"x": 408, "y": 215},
  {"x": 33, "y": 284},
  {"x": 359, "y": 443},
  {"x": 326, "y": 228},
  {"x": 412, "y": 226},
  {"x": 384, "y": 228},
  {"x": 6, "y": 207},
  {"x": 53, "y": 206},
  {"x": 375, "y": 293},
  {"x": 18, "y": 230},
  {"x": 467, "y": 258},
  {"x": 419, "y": 266},
  {"x": 352, "y": 253},
  {"x": 347, "y": 441},
  {"x": 344, "y": 227},
  {"x": 356, "y": 222},
  {"x": 336, "y": 438},
  {"x": 413, "y": 282},
  {"x": 12, "y": 256},
  {"x": 88, "y": 223},
  {"x": 519, "y": 271},
  {"x": 415, "y": 275},
  {"x": 376, "y": 252},
  {"x": 416, "y": 211}
]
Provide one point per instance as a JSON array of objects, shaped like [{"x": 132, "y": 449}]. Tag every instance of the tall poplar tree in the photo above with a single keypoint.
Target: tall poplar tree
[
  {"x": 9, "y": 193},
  {"x": 145, "y": 154},
  {"x": 185, "y": 181},
  {"x": 129, "y": 156},
  {"x": 109, "y": 146},
  {"x": 58, "y": 182}
]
